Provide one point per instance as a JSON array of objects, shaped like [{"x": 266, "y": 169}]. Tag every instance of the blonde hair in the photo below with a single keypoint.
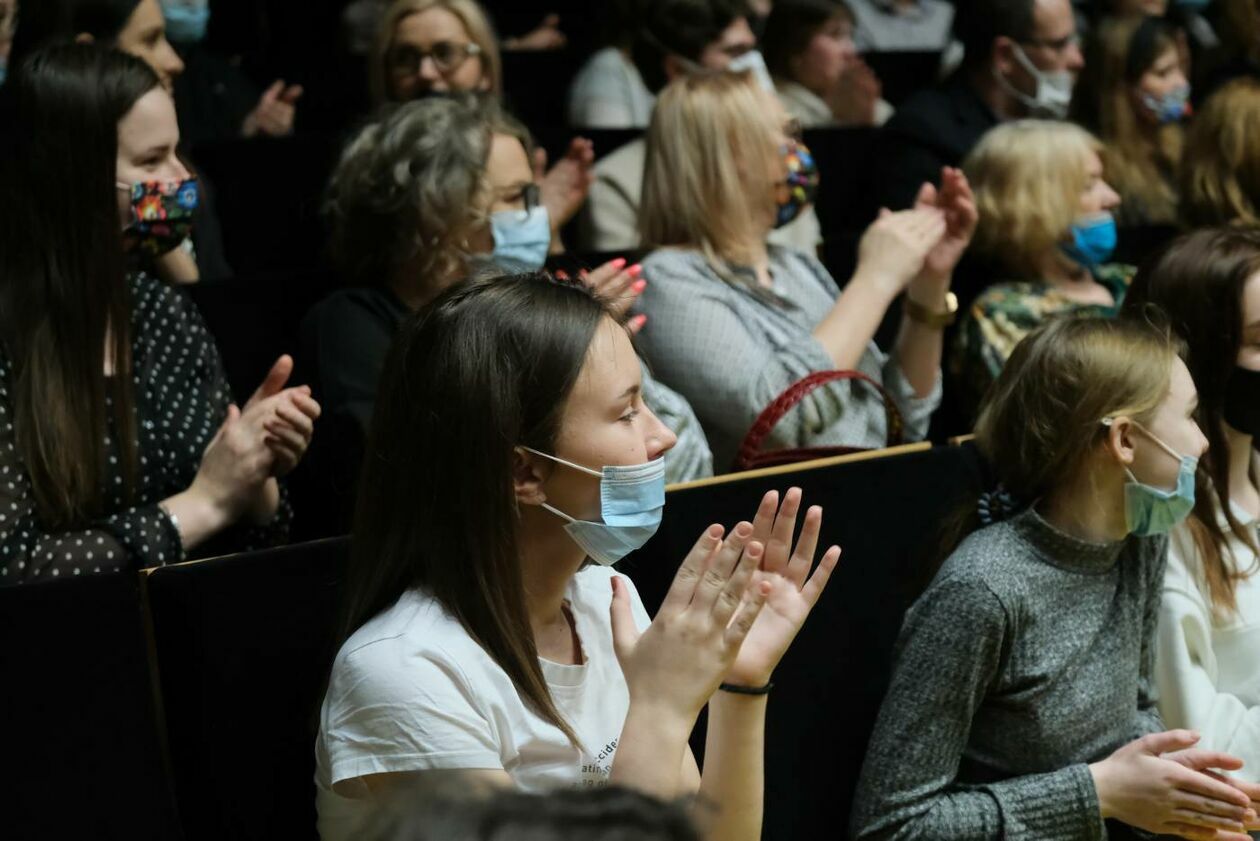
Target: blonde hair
[
  {"x": 1028, "y": 176},
  {"x": 1140, "y": 162},
  {"x": 708, "y": 148},
  {"x": 470, "y": 14},
  {"x": 1043, "y": 415},
  {"x": 1220, "y": 172}
]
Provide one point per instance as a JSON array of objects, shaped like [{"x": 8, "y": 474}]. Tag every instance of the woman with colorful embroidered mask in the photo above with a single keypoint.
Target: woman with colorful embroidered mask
[
  {"x": 1046, "y": 222},
  {"x": 1134, "y": 95},
  {"x": 1207, "y": 668},
  {"x": 1023, "y": 672},
  {"x": 734, "y": 321},
  {"x": 479, "y": 634},
  {"x": 427, "y": 195},
  {"x": 120, "y": 447}
]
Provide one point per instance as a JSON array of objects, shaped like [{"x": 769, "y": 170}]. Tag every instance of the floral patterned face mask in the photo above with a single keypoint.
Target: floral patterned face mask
[
  {"x": 800, "y": 188},
  {"x": 161, "y": 215}
]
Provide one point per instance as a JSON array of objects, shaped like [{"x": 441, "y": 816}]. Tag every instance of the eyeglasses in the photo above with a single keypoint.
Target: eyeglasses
[
  {"x": 1059, "y": 45},
  {"x": 447, "y": 56}
]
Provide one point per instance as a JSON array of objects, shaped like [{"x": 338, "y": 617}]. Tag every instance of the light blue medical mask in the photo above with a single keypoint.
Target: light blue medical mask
[
  {"x": 1172, "y": 107},
  {"x": 522, "y": 236},
  {"x": 1093, "y": 241},
  {"x": 632, "y": 501},
  {"x": 186, "y": 20},
  {"x": 1149, "y": 510}
]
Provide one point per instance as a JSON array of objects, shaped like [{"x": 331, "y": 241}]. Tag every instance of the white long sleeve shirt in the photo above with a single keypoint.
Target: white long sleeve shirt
[{"x": 1208, "y": 666}]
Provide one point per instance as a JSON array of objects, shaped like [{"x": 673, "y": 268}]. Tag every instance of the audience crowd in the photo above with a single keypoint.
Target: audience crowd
[{"x": 571, "y": 254}]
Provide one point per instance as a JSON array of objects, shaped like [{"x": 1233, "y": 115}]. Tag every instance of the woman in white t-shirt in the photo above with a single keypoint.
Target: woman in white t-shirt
[
  {"x": 480, "y": 637},
  {"x": 1207, "y": 663}
]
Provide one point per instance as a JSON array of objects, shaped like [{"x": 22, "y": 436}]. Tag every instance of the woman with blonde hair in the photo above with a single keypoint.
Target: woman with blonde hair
[
  {"x": 1206, "y": 663},
  {"x": 1220, "y": 170},
  {"x": 734, "y": 321},
  {"x": 1022, "y": 703},
  {"x": 1134, "y": 95},
  {"x": 1046, "y": 218}
]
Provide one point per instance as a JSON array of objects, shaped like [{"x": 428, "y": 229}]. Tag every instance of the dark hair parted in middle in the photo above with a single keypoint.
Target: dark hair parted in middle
[
  {"x": 1197, "y": 283},
  {"x": 486, "y": 367}
]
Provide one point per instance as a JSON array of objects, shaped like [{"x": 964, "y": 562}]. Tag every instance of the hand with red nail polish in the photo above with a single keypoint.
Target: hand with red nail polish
[{"x": 619, "y": 285}]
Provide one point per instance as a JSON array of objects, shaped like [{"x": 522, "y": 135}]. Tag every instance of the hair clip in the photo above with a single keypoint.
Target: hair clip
[{"x": 996, "y": 505}]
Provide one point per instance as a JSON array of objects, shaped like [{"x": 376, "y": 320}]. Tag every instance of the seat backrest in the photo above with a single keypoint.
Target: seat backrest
[
  {"x": 885, "y": 513},
  {"x": 904, "y": 72},
  {"x": 82, "y": 744},
  {"x": 244, "y": 644}
]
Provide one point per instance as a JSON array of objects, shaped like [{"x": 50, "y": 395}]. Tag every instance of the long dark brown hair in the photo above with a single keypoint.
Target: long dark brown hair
[
  {"x": 1198, "y": 284},
  {"x": 485, "y": 368},
  {"x": 64, "y": 301}
]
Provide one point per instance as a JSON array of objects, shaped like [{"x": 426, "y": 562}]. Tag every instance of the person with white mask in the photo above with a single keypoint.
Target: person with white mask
[{"x": 1022, "y": 58}]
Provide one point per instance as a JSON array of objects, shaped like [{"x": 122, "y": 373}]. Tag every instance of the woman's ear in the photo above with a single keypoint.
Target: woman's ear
[
  {"x": 1120, "y": 434},
  {"x": 529, "y": 472}
]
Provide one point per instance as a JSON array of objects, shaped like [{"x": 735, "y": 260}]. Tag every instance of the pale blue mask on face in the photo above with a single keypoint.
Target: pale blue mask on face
[
  {"x": 632, "y": 501},
  {"x": 186, "y": 20},
  {"x": 1093, "y": 241},
  {"x": 522, "y": 236},
  {"x": 1149, "y": 510}
]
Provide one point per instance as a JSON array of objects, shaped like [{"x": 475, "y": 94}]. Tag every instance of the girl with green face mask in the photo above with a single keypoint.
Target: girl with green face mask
[{"x": 1022, "y": 670}]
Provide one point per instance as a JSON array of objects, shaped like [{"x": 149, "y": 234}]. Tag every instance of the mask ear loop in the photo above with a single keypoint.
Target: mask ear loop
[
  {"x": 557, "y": 460},
  {"x": 1107, "y": 422}
]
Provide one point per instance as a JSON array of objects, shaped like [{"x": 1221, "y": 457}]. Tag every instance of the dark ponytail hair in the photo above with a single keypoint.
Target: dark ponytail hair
[
  {"x": 483, "y": 369},
  {"x": 64, "y": 300}
]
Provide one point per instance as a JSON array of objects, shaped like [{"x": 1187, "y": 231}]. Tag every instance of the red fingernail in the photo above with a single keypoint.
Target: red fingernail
[
  {"x": 639, "y": 286},
  {"x": 561, "y": 274},
  {"x": 639, "y": 320},
  {"x": 635, "y": 270},
  {"x": 618, "y": 263}
]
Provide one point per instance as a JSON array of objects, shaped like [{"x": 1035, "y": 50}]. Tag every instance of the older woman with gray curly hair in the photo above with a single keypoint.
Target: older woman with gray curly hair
[{"x": 431, "y": 193}]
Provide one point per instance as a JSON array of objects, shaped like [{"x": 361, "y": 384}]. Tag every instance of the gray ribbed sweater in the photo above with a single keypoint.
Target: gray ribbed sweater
[{"x": 1027, "y": 658}]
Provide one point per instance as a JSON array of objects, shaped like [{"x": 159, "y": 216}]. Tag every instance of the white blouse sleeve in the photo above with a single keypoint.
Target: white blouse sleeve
[{"x": 1186, "y": 666}]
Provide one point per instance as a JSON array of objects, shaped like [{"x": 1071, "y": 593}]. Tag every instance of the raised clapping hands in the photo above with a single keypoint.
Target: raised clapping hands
[
  {"x": 563, "y": 188},
  {"x": 275, "y": 112},
  {"x": 1160, "y": 784},
  {"x": 264, "y": 441},
  {"x": 732, "y": 611}
]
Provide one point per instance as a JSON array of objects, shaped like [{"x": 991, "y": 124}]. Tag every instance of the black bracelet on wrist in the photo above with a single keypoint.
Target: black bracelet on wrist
[{"x": 747, "y": 690}]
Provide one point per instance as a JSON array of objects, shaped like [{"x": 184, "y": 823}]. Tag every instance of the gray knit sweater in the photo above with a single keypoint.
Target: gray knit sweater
[{"x": 1028, "y": 657}]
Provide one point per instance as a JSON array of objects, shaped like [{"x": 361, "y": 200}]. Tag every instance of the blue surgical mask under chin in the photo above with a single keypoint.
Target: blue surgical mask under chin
[
  {"x": 1093, "y": 241},
  {"x": 632, "y": 502},
  {"x": 522, "y": 236},
  {"x": 186, "y": 20},
  {"x": 1151, "y": 511}
]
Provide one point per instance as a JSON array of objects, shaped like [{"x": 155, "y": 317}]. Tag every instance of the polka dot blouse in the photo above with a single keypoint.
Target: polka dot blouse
[{"x": 181, "y": 397}]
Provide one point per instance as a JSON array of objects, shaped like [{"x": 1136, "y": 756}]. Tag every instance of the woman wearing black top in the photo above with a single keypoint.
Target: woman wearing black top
[{"x": 119, "y": 447}]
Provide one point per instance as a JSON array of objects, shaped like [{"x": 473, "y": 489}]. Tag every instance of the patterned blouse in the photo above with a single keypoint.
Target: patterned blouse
[
  {"x": 181, "y": 399},
  {"x": 1007, "y": 312}
]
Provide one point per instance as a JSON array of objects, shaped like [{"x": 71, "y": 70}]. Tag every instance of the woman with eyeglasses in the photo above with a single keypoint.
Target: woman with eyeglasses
[
  {"x": 734, "y": 321},
  {"x": 427, "y": 196},
  {"x": 448, "y": 47}
]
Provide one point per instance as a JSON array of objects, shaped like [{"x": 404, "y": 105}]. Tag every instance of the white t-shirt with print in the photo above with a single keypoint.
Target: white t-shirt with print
[{"x": 412, "y": 691}]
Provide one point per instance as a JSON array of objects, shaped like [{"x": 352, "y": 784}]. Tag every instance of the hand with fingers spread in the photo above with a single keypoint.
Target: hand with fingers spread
[
  {"x": 546, "y": 36},
  {"x": 679, "y": 661},
  {"x": 563, "y": 188},
  {"x": 275, "y": 112},
  {"x": 621, "y": 286},
  {"x": 855, "y": 98},
  {"x": 1152, "y": 784},
  {"x": 894, "y": 247},
  {"x": 791, "y": 591}
]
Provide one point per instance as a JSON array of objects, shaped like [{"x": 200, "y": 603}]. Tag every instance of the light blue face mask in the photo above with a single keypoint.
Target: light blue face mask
[
  {"x": 1172, "y": 107},
  {"x": 1149, "y": 510},
  {"x": 522, "y": 236},
  {"x": 1093, "y": 241},
  {"x": 632, "y": 500},
  {"x": 186, "y": 20}
]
